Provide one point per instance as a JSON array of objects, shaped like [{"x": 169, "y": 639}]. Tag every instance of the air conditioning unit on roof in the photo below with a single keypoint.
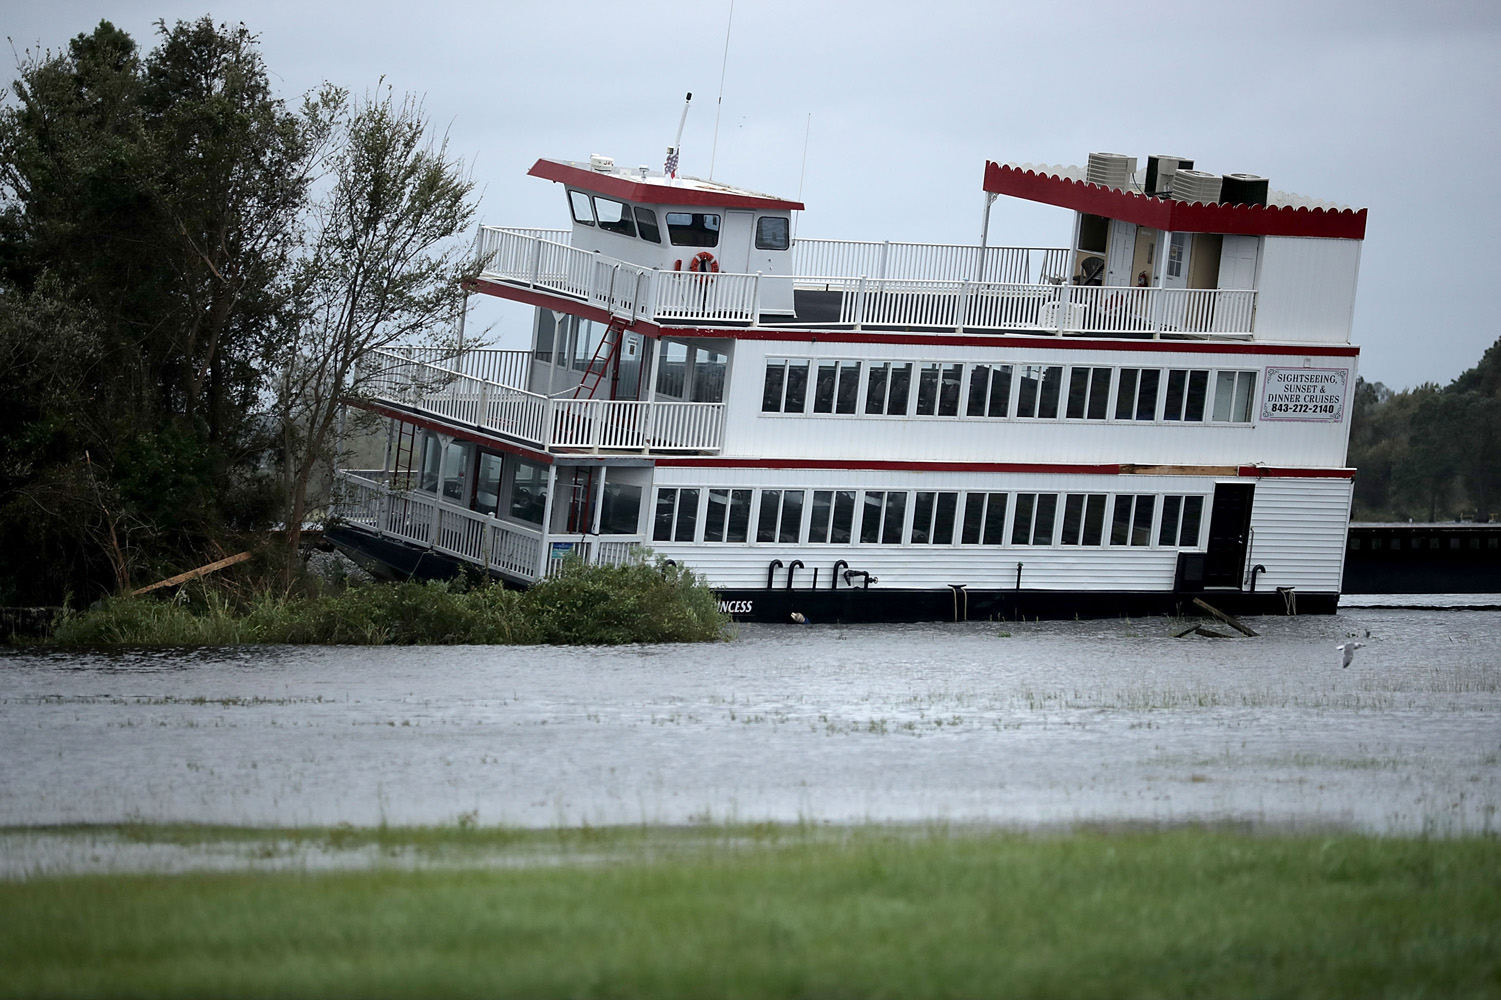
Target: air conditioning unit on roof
[
  {"x": 1112, "y": 170},
  {"x": 1196, "y": 185}
]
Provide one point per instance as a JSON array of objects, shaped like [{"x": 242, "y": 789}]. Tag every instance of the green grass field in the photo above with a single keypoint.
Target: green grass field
[{"x": 781, "y": 912}]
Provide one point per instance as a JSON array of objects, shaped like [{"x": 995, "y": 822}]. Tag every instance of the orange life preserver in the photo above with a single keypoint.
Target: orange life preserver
[{"x": 704, "y": 263}]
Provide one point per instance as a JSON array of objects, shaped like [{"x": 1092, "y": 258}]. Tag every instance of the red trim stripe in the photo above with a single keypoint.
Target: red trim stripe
[
  {"x": 458, "y": 431},
  {"x": 856, "y": 465},
  {"x": 1174, "y": 216},
  {"x": 653, "y": 192}
]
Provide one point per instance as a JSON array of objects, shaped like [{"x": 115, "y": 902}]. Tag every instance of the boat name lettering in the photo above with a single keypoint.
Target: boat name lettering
[{"x": 736, "y": 607}]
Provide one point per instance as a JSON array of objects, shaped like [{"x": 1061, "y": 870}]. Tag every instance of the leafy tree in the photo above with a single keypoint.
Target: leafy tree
[{"x": 382, "y": 268}]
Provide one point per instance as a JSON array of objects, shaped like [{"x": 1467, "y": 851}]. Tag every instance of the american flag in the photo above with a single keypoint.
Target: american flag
[{"x": 670, "y": 168}]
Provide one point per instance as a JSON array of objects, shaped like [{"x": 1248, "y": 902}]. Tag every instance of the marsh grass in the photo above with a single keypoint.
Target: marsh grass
[
  {"x": 595, "y": 605},
  {"x": 790, "y": 911}
]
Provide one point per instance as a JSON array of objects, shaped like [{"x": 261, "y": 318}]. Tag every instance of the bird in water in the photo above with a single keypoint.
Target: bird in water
[{"x": 1348, "y": 649}]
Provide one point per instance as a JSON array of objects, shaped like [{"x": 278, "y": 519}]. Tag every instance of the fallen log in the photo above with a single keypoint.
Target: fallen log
[
  {"x": 194, "y": 574},
  {"x": 1230, "y": 620}
]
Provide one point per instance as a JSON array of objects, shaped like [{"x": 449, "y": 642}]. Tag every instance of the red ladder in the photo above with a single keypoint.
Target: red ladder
[{"x": 604, "y": 357}]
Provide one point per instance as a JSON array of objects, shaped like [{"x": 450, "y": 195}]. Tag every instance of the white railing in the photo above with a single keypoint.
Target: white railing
[
  {"x": 542, "y": 421},
  {"x": 930, "y": 261},
  {"x": 509, "y": 368},
  {"x": 508, "y": 548},
  {"x": 921, "y": 285}
]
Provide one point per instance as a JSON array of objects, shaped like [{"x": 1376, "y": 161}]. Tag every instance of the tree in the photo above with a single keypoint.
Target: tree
[{"x": 382, "y": 267}]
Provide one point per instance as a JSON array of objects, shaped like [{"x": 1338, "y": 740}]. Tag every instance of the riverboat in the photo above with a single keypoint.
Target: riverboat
[{"x": 831, "y": 430}]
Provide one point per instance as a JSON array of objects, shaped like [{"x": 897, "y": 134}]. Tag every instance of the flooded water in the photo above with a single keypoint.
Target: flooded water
[{"x": 1018, "y": 725}]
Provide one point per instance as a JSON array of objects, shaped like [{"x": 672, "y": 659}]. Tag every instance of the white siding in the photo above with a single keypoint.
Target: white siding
[
  {"x": 1298, "y": 532},
  {"x": 1307, "y": 289}
]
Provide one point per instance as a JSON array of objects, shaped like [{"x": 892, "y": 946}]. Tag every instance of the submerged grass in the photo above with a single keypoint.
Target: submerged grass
[
  {"x": 791, "y": 912},
  {"x": 595, "y": 605}
]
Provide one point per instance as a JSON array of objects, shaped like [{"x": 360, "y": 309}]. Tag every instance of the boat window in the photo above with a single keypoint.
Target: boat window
[
  {"x": 1184, "y": 398},
  {"x": 487, "y": 484},
  {"x": 832, "y": 516},
  {"x": 1038, "y": 391},
  {"x": 989, "y": 390},
  {"x": 1132, "y": 523},
  {"x": 781, "y": 516},
  {"x": 677, "y": 515},
  {"x": 1137, "y": 398},
  {"x": 1181, "y": 519},
  {"x": 586, "y": 338},
  {"x": 432, "y": 452},
  {"x": 546, "y": 326},
  {"x": 836, "y": 387},
  {"x": 672, "y": 372},
  {"x": 933, "y": 518},
  {"x": 614, "y": 216},
  {"x": 455, "y": 471},
  {"x": 773, "y": 233},
  {"x": 728, "y": 517},
  {"x": 1089, "y": 393},
  {"x": 646, "y": 222},
  {"x": 786, "y": 386},
  {"x": 887, "y": 388},
  {"x": 619, "y": 509},
  {"x": 1083, "y": 519},
  {"x": 708, "y": 375},
  {"x": 528, "y": 492},
  {"x": 1033, "y": 522},
  {"x": 881, "y": 517},
  {"x": 693, "y": 229},
  {"x": 1233, "y": 392},
  {"x": 938, "y": 390},
  {"x": 984, "y": 518},
  {"x": 583, "y": 212}
]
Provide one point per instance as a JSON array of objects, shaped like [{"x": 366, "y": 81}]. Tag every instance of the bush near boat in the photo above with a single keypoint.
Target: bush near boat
[
  {"x": 768, "y": 911},
  {"x": 580, "y": 605}
]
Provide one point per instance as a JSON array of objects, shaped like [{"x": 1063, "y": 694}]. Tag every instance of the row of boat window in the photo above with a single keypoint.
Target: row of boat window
[
  {"x": 897, "y": 517},
  {"x": 1039, "y": 392},
  {"x": 684, "y": 229}
]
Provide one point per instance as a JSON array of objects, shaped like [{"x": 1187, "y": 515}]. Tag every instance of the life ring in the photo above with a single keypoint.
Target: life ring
[{"x": 704, "y": 263}]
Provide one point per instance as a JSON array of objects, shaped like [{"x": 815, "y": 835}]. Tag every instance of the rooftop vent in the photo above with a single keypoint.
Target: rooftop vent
[
  {"x": 1112, "y": 170},
  {"x": 603, "y": 164},
  {"x": 1196, "y": 185},
  {"x": 1160, "y": 171},
  {"x": 1244, "y": 189}
]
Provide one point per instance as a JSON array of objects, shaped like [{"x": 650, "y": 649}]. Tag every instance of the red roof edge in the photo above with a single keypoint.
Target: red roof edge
[
  {"x": 652, "y": 192},
  {"x": 1173, "y": 216}
]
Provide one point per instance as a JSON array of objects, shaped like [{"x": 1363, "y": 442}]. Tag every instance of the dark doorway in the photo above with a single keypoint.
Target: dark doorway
[{"x": 1229, "y": 531}]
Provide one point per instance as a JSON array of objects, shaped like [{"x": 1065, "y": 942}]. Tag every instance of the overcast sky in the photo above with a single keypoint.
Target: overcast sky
[{"x": 1390, "y": 106}]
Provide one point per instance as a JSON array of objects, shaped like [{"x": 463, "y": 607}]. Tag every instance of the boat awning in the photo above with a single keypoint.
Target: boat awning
[{"x": 656, "y": 190}]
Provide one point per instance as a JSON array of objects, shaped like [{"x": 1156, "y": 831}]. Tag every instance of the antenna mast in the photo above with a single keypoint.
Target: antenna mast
[
  {"x": 719, "y": 104},
  {"x": 670, "y": 168}
]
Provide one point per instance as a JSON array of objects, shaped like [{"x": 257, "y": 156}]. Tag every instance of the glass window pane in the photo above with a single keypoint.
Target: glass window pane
[
  {"x": 766, "y": 522},
  {"x": 1042, "y": 528},
  {"x": 529, "y": 492},
  {"x": 1198, "y": 387},
  {"x": 771, "y": 393},
  {"x": 1099, "y": 393},
  {"x": 1120, "y": 525},
  {"x": 1141, "y": 526},
  {"x": 583, "y": 212},
  {"x": 1073, "y": 518},
  {"x": 620, "y": 509},
  {"x": 948, "y": 391},
  {"x": 875, "y": 389},
  {"x": 818, "y": 515},
  {"x": 870, "y": 517},
  {"x": 1146, "y": 394},
  {"x": 1125, "y": 400},
  {"x": 823, "y": 387},
  {"x": 1224, "y": 394},
  {"x": 613, "y": 216},
  {"x": 1245, "y": 392},
  {"x": 646, "y": 222},
  {"x": 662, "y": 522},
  {"x": 844, "y": 517},
  {"x": 1000, "y": 391},
  {"x": 849, "y": 386},
  {"x": 995, "y": 519},
  {"x": 979, "y": 387},
  {"x": 687, "y": 515},
  {"x": 1094, "y": 519},
  {"x": 1193, "y": 513},
  {"x": 546, "y": 326},
  {"x": 487, "y": 485},
  {"x": 773, "y": 232},
  {"x": 1078, "y": 392},
  {"x": 927, "y": 390},
  {"x": 974, "y": 517},
  {"x": 792, "y": 516},
  {"x": 943, "y": 518},
  {"x": 1172, "y": 406},
  {"x": 896, "y": 511},
  {"x": 797, "y": 386},
  {"x": 740, "y": 511},
  {"x": 1052, "y": 388},
  {"x": 901, "y": 383},
  {"x": 693, "y": 229},
  {"x": 1026, "y": 399},
  {"x": 1021, "y": 522},
  {"x": 718, "y": 508},
  {"x": 922, "y": 517},
  {"x": 1168, "y": 533}
]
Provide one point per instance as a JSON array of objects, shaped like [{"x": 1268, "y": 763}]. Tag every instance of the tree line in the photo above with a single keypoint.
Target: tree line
[
  {"x": 1432, "y": 453},
  {"x": 190, "y": 273}
]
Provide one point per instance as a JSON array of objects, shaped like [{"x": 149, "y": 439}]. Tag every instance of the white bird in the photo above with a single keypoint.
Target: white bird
[{"x": 1349, "y": 648}]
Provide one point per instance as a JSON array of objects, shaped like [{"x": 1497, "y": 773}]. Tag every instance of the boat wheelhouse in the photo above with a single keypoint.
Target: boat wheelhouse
[{"x": 1157, "y": 410}]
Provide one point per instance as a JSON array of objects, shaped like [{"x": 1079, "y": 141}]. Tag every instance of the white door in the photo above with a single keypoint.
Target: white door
[
  {"x": 1121, "y": 252},
  {"x": 735, "y": 241},
  {"x": 1238, "y": 261},
  {"x": 1174, "y": 292}
]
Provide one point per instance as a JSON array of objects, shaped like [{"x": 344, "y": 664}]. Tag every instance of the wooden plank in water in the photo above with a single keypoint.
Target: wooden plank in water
[{"x": 1230, "y": 620}]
